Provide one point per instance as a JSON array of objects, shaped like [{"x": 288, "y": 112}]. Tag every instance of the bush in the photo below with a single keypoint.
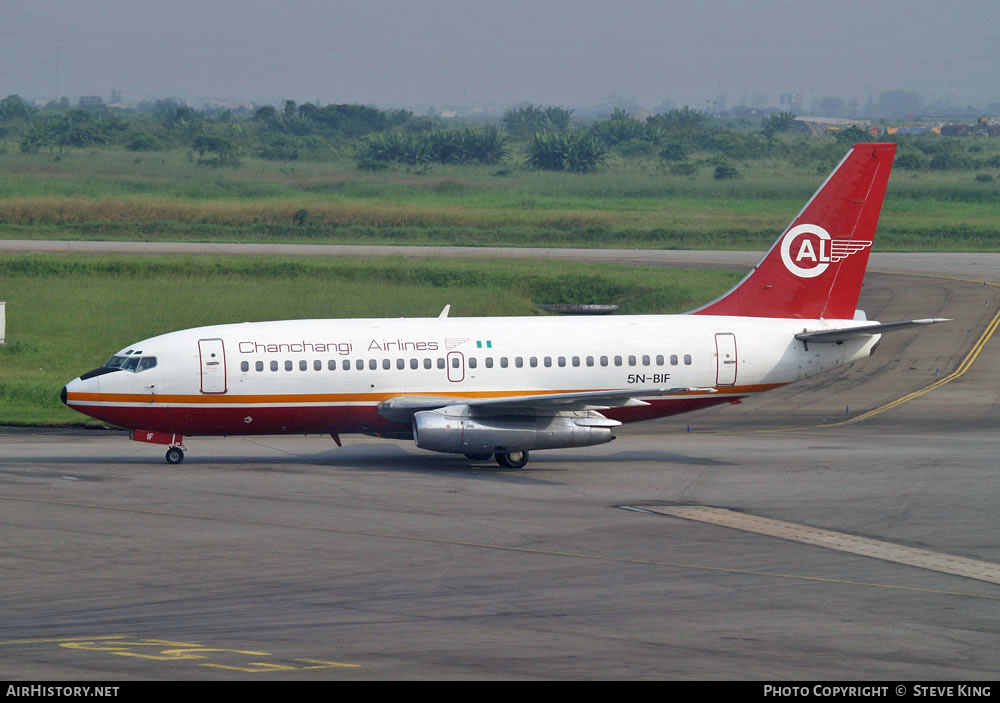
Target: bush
[
  {"x": 911, "y": 160},
  {"x": 725, "y": 173},
  {"x": 674, "y": 152},
  {"x": 984, "y": 178},
  {"x": 141, "y": 141}
]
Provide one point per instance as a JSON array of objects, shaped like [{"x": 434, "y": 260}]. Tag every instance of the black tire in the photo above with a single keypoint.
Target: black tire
[
  {"x": 175, "y": 455},
  {"x": 517, "y": 460},
  {"x": 512, "y": 460}
]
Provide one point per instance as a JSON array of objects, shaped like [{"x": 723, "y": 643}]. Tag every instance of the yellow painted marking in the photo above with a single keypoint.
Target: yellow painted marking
[
  {"x": 63, "y": 639},
  {"x": 253, "y": 667},
  {"x": 840, "y": 541},
  {"x": 504, "y": 548},
  {"x": 178, "y": 651},
  {"x": 196, "y": 652},
  {"x": 119, "y": 645},
  {"x": 320, "y": 664},
  {"x": 264, "y": 667}
]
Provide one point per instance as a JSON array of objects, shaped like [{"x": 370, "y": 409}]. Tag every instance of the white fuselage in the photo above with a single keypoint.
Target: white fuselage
[{"x": 330, "y": 375}]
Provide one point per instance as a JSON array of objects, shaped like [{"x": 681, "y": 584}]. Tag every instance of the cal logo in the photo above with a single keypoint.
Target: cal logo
[{"x": 808, "y": 250}]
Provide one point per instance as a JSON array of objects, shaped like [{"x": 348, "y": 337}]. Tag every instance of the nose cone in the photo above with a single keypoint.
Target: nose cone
[{"x": 62, "y": 395}]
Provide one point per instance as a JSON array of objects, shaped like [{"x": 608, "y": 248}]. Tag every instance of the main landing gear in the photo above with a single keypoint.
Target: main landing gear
[
  {"x": 512, "y": 460},
  {"x": 508, "y": 460},
  {"x": 175, "y": 455}
]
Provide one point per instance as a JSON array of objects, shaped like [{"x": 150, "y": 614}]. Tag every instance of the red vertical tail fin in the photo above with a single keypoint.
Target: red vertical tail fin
[{"x": 816, "y": 267}]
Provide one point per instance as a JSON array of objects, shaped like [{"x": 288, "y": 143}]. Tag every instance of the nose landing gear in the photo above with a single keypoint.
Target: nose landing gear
[{"x": 175, "y": 442}]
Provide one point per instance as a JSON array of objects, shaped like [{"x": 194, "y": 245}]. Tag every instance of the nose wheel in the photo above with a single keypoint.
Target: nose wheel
[{"x": 175, "y": 455}]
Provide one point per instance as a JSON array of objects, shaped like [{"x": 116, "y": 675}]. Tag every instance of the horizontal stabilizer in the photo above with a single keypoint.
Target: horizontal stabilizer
[{"x": 845, "y": 333}]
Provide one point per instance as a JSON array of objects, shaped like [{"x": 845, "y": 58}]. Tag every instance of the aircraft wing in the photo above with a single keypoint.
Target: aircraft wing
[
  {"x": 401, "y": 408},
  {"x": 845, "y": 333}
]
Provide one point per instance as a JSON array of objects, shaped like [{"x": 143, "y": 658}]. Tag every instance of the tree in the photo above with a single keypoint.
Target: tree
[
  {"x": 13, "y": 107},
  {"x": 778, "y": 122}
]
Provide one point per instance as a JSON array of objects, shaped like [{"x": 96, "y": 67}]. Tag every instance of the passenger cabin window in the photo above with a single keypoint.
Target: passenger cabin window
[
  {"x": 427, "y": 363},
  {"x": 673, "y": 360},
  {"x": 274, "y": 365},
  {"x": 244, "y": 366},
  {"x": 303, "y": 365},
  {"x": 259, "y": 366},
  {"x": 288, "y": 366},
  {"x": 472, "y": 362},
  {"x": 359, "y": 364},
  {"x": 489, "y": 362},
  {"x": 332, "y": 364},
  {"x": 687, "y": 359}
]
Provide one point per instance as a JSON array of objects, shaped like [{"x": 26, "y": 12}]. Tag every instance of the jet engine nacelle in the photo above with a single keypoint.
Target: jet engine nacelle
[{"x": 457, "y": 430}]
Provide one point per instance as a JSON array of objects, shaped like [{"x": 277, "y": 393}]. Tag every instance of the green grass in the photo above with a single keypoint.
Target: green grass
[
  {"x": 68, "y": 314},
  {"x": 117, "y": 195}
]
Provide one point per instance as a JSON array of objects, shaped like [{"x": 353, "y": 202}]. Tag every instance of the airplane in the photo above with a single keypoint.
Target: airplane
[{"x": 503, "y": 387}]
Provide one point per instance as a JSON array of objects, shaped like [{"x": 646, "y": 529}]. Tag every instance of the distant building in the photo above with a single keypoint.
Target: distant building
[{"x": 91, "y": 101}]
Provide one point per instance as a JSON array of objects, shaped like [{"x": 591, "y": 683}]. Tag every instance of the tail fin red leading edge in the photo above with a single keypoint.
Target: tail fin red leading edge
[{"x": 816, "y": 267}]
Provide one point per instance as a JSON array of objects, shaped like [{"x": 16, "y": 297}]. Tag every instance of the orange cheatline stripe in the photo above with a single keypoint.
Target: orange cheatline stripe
[{"x": 223, "y": 398}]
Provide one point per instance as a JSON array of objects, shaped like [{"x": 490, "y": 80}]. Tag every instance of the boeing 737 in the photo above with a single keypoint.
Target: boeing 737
[{"x": 502, "y": 387}]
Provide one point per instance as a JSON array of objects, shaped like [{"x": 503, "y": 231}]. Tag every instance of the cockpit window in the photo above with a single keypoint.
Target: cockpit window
[{"x": 135, "y": 364}]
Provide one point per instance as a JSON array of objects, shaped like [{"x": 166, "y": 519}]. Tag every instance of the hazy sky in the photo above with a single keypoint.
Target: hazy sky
[{"x": 440, "y": 52}]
